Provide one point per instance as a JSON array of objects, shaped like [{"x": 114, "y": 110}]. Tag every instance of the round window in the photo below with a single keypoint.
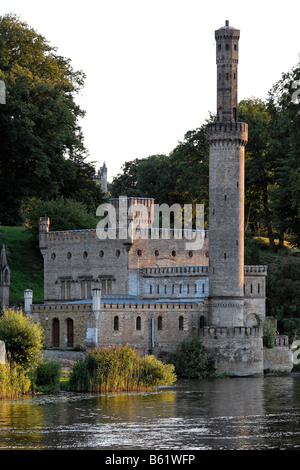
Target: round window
[{"x": 101, "y": 253}]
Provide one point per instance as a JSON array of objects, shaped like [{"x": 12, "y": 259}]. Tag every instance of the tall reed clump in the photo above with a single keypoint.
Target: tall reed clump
[
  {"x": 118, "y": 368},
  {"x": 14, "y": 381}
]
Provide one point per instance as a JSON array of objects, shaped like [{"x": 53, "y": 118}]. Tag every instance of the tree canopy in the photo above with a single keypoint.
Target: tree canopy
[{"x": 42, "y": 147}]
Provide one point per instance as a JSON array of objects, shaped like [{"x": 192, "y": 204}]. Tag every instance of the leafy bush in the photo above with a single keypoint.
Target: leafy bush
[
  {"x": 22, "y": 338},
  {"x": 13, "y": 380},
  {"x": 118, "y": 368},
  {"x": 64, "y": 214},
  {"x": 291, "y": 327},
  {"x": 268, "y": 334},
  {"x": 46, "y": 375},
  {"x": 191, "y": 360},
  {"x": 153, "y": 372}
]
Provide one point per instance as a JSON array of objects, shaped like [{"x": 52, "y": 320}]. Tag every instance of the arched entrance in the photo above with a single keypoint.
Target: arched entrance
[
  {"x": 55, "y": 333},
  {"x": 70, "y": 333}
]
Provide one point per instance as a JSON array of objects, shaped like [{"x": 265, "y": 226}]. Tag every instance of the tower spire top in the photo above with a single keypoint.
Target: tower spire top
[{"x": 227, "y": 57}]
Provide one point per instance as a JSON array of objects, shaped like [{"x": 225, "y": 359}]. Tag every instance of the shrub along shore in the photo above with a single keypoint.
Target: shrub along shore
[
  {"x": 102, "y": 370},
  {"x": 119, "y": 369}
]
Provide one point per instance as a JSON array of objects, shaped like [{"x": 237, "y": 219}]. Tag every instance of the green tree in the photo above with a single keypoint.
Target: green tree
[
  {"x": 191, "y": 360},
  {"x": 23, "y": 339},
  {"x": 181, "y": 177},
  {"x": 259, "y": 165},
  {"x": 64, "y": 214},
  {"x": 189, "y": 165},
  {"x": 40, "y": 138},
  {"x": 284, "y": 107},
  {"x": 145, "y": 177}
]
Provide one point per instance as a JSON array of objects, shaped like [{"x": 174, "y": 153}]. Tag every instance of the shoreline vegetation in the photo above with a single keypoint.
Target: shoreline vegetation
[
  {"x": 108, "y": 369},
  {"x": 101, "y": 370},
  {"x": 118, "y": 368}
]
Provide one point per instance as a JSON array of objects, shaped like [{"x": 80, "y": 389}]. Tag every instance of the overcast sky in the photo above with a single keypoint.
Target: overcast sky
[{"x": 150, "y": 64}]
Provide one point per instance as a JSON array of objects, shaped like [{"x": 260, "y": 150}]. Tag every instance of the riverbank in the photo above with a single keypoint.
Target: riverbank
[{"x": 66, "y": 357}]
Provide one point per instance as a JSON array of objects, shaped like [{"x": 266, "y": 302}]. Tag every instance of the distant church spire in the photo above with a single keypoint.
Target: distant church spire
[{"x": 101, "y": 178}]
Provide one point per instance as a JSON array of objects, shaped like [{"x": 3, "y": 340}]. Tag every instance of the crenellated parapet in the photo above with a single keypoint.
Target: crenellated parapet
[
  {"x": 227, "y": 133},
  {"x": 118, "y": 233},
  {"x": 216, "y": 332},
  {"x": 110, "y": 304},
  {"x": 255, "y": 270},
  {"x": 166, "y": 271}
]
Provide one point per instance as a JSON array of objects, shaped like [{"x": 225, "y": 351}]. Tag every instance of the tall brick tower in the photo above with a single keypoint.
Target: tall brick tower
[{"x": 227, "y": 139}]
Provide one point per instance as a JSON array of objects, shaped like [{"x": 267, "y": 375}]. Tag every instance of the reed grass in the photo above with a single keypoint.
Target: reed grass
[
  {"x": 119, "y": 369},
  {"x": 14, "y": 381}
]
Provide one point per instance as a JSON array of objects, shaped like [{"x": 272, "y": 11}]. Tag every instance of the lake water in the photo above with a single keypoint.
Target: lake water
[{"x": 219, "y": 414}]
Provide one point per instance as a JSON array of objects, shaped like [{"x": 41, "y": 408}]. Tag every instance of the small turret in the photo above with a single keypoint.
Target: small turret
[
  {"x": 44, "y": 223},
  {"x": 28, "y": 295},
  {"x": 4, "y": 279}
]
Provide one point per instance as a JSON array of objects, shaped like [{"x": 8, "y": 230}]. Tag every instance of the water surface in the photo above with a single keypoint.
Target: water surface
[{"x": 218, "y": 414}]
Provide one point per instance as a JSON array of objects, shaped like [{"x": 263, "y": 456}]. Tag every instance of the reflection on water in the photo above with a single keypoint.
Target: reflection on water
[{"x": 239, "y": 413}]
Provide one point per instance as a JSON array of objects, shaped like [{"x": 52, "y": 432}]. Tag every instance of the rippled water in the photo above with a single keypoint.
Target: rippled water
[{"x": 237, "y": 413}]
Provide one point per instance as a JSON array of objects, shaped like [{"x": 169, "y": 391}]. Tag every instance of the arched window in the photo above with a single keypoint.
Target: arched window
[
  {"x": 70, "y": 333},
  {"x": 159, "y": 323},
  {"x": 116, "y": 323},
  {"x": 220, "y": 114},
  {"x": 234, "y": 114},
  {"x": 180, "y": 323},
  {"x": 6, "y": 277},
  {"x": 138, "y": 323}
]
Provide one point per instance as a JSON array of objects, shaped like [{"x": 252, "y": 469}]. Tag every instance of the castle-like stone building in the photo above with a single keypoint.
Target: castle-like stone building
[{"x": 152, "y": 292}]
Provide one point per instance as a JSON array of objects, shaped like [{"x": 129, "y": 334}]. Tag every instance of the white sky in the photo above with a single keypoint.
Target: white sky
[{"x": 150, "y": 64}]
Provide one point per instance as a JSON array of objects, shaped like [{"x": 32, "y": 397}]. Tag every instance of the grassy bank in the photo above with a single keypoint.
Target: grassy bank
[{"x": 25, "y": 262}]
